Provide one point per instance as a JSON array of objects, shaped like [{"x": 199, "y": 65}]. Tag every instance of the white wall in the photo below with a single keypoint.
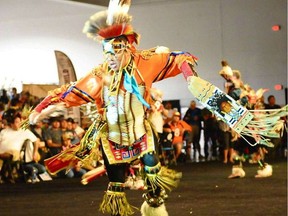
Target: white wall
[
  {"x": 31, "y": 30},
  {"x": 236, "y": 30}
]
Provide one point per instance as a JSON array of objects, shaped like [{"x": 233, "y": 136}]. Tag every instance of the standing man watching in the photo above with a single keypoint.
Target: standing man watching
[{"x": 193, "y": 117}]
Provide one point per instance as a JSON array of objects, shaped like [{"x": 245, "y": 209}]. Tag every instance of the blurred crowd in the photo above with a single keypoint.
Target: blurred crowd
[
  {"x": 197, "y": 136},
  {"x": 14, "y": 99},
  {"x": 21, "y": 160}
]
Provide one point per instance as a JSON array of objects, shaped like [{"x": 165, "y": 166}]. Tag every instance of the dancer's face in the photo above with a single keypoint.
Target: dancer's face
[{"x": 115, "y": 52}]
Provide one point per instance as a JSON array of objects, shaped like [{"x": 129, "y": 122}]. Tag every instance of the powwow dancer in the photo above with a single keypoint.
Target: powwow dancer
[
  {"x": 120, "y": 89},
  {"x": 271, "y": 127}
]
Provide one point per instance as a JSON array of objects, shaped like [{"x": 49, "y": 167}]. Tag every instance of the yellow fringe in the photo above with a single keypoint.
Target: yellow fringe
[
  {"x": 165, "y": 179},
  {"x": 115, "y": 203},
  {"x": 265, "y": 125},
  {"x": 25, "y": 123}
]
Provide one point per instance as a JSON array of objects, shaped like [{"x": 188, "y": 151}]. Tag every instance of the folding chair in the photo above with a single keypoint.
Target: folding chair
[
  {"x": 167, "y": 148},
  {"x": 9, "y": 169}
]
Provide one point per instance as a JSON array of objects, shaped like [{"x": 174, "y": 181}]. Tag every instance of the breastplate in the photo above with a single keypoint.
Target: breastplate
[{"x": 125, "y": 116}]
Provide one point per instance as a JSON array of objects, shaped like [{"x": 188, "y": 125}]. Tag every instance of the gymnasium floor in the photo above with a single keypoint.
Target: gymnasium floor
[{"x": 204, "y": 191}]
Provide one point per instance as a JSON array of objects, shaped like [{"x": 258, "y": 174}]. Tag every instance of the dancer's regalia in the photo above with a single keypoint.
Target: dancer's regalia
[
  {"x": 266, "y": 125},
  {"x": 122, "y": 97}
]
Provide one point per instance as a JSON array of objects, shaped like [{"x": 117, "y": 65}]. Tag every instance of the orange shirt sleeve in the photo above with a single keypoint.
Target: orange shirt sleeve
[
  {"x": 159, "y": 66},
  {"x": 186, "y": 126},
  {"x": 85, "y": 90}
]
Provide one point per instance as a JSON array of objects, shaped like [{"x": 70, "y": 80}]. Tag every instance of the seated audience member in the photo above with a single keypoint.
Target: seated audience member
[
  {"x": 168, "y": 115},
  {"x": 40, "y": 132},
  {"x": 53, "y": 138},
  {"x": 4, "y": 97},
  {"x": 70, "y": 129},
  {"x": 32, "y": 165},
  {"x": 178, "y": 127},
  {"x": 78, "y": 129},
  {"x": 2, "y": 109},
  {"x": 12, "y": 140},
  {"x": 63, "y": 124},
  {"x": 14, "y": 98}
]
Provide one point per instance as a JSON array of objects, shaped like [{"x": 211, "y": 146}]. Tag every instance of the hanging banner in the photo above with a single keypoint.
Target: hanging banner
[{"x": 66, "y": 74}]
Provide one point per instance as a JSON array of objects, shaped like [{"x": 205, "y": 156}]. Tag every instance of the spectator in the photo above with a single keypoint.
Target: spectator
[
  {"x": 12, "y": 139},
  {"x": 63, "y": 124},
  {"x": 226, "y": 144},
  {"x": 25, "y": 100},
  {"x": 178, "y": 127},
  {"x": 14, "y": 93},
  {"x": 2, "y": 109},
  {"x": 4, "y": 97},
  {"x": 70, "y": 129},
  {"x": 168, "y": 115},
  {"x": 78, "y": 129},
  {"x": 272, "y": 103},
  {"x": 193, "y": 117},
  {"x": 53, "y": 139},
  {"x": 275, "y": 152},
  {"x": 40, "y": 132},
  {"x": 14, "y": 99},
  {"x": 32, "y": 164},
  {"x": 210, "y": 133},
  {"x": 14, "y": 104}
]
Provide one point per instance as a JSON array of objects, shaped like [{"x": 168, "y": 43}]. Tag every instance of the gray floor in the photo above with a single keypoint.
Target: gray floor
[{"x": 204, "y": 190}]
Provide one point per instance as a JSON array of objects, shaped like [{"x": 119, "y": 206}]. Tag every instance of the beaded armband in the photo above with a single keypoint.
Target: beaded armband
[{"x": 116, "y": 187}]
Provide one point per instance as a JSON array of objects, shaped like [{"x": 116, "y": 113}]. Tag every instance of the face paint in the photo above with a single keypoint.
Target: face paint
[
  {"x": 107, "y": 47},
  {"x": 113, "y": 61},
  {"x": 113, "y": 47},
  {"x": 113, "y": 52}
]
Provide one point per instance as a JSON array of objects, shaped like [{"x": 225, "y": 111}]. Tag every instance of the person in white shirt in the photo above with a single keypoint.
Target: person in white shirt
[{"x": 12, "y": 140}]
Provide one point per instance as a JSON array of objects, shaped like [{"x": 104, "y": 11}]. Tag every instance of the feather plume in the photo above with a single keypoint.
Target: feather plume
[
  {"x": 112, "y": 23},
  {"x": 112, "y": 8},
  {"x": 260, "y": 92},
  {"x": 117, "y": 7},
  {"x": 98, "y": 28},
  {"x": 226, "y": 69},
  {"x": 94, "y": 24}
]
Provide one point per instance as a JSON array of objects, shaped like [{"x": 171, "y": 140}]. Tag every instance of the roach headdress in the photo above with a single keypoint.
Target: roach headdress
[{"x": 112, "y": 23}]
